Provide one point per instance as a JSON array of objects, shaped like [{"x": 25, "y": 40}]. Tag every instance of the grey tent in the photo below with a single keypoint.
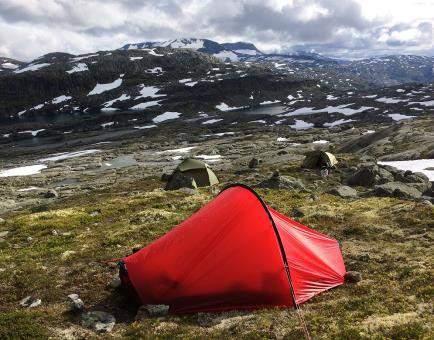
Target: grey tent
[
  {"x": 191, "y": 173},
  {"x": 319, "y": 159}
]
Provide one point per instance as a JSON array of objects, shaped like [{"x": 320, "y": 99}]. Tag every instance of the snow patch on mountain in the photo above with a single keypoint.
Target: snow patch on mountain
[
  {"x": 397, "y": 116},
  {"x": 301, "y": 125},
  {"x": 118, "y": 99},
  {"x": 145, "y": 105},
  {"x": 79, "y": 67},
  {"x": 9, "y": 66},
  {"x": 149, "y": 91},
  {"x": 100, "y": 88},
  {"x": 32, "y": 67},
  {"x": 226, "y": 107},
  {"x": 61, "y": 99},
  {"x": 166, "y": 116}
]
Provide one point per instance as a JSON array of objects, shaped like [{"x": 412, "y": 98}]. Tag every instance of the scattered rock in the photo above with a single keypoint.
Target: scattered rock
[
  {"x": 188, "y": 191},
  {"x": 254, "y": 162},
  {"x": 67, "y": 254},
  {"x": 98, "y": 321},
  {"x": 154, "y": 310},
  {"x": 344, "y": 191},
  {"x": 397, "y": 189},
  {"x": 30, "y": 302},
  {"x": 75, "y": 303},
  {"x": 95, "y": 213},
  {"x": 4, "y": 233},
  {"x": 297, "y": 212},
  {"x": 51, "y": 193},
  {"x": 353, "y": 277},
  {"x": 54, "y": 232},
  {"x": 276, "y": 181},
  {"x": 115, "y": 282},
  {"x": 427, "y": 203},
  {"x": 29, "y": 239}
]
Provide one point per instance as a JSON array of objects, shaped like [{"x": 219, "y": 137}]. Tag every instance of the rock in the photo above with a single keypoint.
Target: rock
[
  {"x": 188, "y": 191},
  {"x": 29, "y": 239},
  {"x": 67, "y": 254},
  {"x": 178, "y": 180},
  {"x": 155, "y": 310},
  {"x": 297, "y": 212},
  {"x": 75, "y": 303},
  {"x": 51, "y": 193},
  {"x": 422, "y": 187},
  {"x": 397, "y": 189},
  {"x": 95, "y": 213},
  {"x": 30, "y": 302},
  {"x": 276, "y": 181},
  {"x": 115, "y": 282},
  {"x": 2, "y": 221},
  {"x": 353, "y": 277},
  {"x": 98, "y": 321},
  {"x": 416, "y": 177},
  {"x": 427, "y": 203},
  {"x": 368, "y": 176},
  {"x": 254, "y": 162},
  {"x": 4, "y": 233},
  {"x": 54, "y": 232},
  {"x": 344, "y": 191}
]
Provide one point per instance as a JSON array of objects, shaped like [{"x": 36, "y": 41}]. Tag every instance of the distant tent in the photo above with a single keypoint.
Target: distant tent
[
  {"x": 234, "y": 253},
  {"x": 318, "y": 159},
  {"x": 199, "y": 173}
]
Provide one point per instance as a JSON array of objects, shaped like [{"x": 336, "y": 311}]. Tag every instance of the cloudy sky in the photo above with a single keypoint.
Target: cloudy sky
[{"x": 343, "y": 28}]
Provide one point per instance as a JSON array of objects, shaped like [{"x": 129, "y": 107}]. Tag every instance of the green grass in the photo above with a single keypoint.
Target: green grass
[{"x": 388, "y": 240}]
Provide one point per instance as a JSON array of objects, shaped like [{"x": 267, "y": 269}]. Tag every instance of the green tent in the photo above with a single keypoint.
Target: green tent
[
  {"x": 319, "y": 159},
  {"x": 200, "y": 174}
]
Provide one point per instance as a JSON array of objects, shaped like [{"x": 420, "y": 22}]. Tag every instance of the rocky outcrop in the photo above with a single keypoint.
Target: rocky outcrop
[
  {"x": 368, "y": 176},
  {"x": 276, "y": 181},
  {"x": 343, "y": 191},
  {"x": 397, "y": 189}
]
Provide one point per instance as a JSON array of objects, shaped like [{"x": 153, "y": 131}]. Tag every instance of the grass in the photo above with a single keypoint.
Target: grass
[{"x": 388, "y": 240}]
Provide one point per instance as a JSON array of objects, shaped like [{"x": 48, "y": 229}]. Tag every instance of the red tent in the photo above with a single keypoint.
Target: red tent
[{"x": 234, "y": 253}]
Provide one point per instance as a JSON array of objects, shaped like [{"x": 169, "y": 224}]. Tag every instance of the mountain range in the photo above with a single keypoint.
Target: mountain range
[{"x": 137, "y": 82}]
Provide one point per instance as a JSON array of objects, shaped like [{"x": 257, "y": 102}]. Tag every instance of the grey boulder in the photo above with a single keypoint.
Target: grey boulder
[
  {"x": 397, "y": 189},
  {"x": 276, "y": 181},
  {"x": 101, "y": 322},
  {"x": 344, "y": 191}
]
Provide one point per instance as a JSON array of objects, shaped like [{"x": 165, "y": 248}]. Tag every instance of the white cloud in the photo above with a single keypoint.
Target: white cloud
[{"x": 30, "y": 28}]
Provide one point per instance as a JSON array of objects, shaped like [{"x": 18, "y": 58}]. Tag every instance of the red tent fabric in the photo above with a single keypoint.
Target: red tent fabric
[{"x": 235, "y": 253}]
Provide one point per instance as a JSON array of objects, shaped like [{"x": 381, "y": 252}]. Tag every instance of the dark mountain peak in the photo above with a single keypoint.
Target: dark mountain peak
[{"x": 240, "y": 45}]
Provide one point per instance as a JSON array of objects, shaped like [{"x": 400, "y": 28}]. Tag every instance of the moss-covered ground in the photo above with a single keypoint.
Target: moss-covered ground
[{"x": 58, "y": 249}]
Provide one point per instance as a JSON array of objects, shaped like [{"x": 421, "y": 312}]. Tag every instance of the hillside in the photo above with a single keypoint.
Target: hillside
[{"x": 110, "y": 200}]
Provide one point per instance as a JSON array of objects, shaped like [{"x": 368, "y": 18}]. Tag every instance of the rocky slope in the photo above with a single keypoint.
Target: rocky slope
[{"x": 100, "y": 196}]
